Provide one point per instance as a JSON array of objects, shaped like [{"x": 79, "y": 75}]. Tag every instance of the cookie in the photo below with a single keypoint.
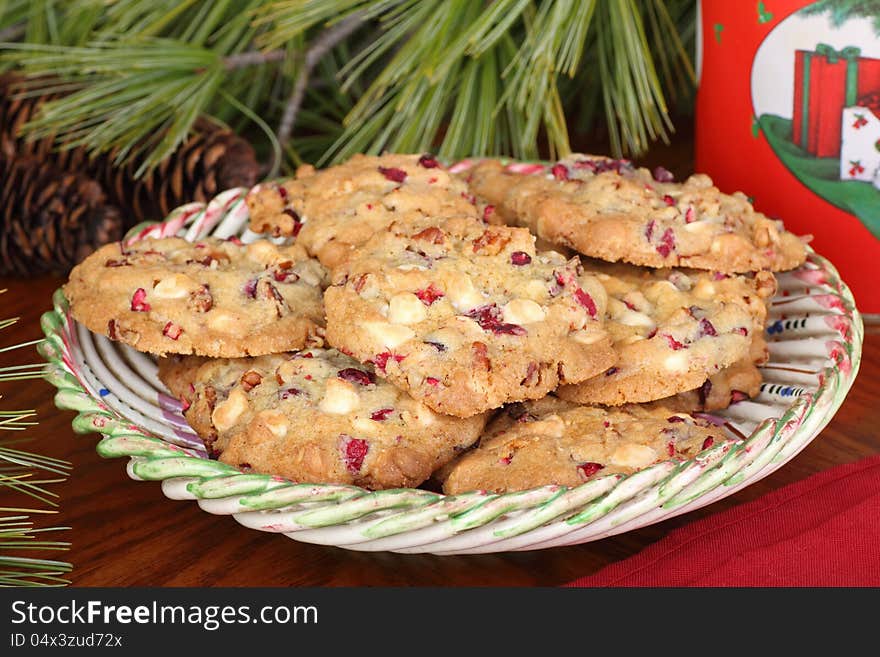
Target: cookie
[
  {"x": 551, "y": 441},
  {"x": 315, "y": 416},
  {"x": 333, "y": 211},
  {"x": 212, "y": 297},
  {"x": 736, "y": 383},
  {"x": 611, "y": 210},
  {"x": 466, "y": 317},
  {"x": 672, "y": 330}
]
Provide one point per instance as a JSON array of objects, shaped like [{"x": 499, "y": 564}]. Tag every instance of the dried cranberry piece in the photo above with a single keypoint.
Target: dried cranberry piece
[
  {"x": 430, "y": 294},
  {"x": 603, "y": 165},
  {"x": 559, "y": 171},
  {"x": 290, "y": 392},
  {"x": 737, "y": 396},
  {"x": 586, "y": 301},
  {"x": 381, "y": 414},
  {"x": 668, "y": 200},
  {"x": 741, "y": 330},
  {"x": 354, "y": 450},
  {"x": 674, "y": 344},
  {"x": 670, "y": 448},
  {"x": 393, "y": 174},
  {"x": 703, "y": 391},
  {"x": 590, "y": 468},
  {"x": 184, "y": 404},
  {"x": 689, "y": 215},
  {"x": 112, "y": 330},
  {"x": 520, "y": 258},
  {"x": 667, "y": 243},
  {"x": 285, "y": 276},
  {"x": 649, "y": 230},
  {"x": 706, "y": 328},
  {"x": 117, "y": 263},
  {"x": 489, "y": 319},
  {"x": 672, "y": 419},
  {"x": 354, "y": 375},
  {"x": 172, "y": 330},
  {"x": 431, "y": 380},
  {"x": 250, "y": 288},
  {"x": 381, "y": 360},
  {"x": 708, "y": 443},
  {"x": 428, "y": 161},
  {"x": 138, "y": 301},
  {"x": 663, "y": 175},
  {"x": 487, "y": 212}
]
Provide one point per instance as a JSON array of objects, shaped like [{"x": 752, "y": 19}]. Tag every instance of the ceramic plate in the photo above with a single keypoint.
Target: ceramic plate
[{"x": 815, "y": 338}]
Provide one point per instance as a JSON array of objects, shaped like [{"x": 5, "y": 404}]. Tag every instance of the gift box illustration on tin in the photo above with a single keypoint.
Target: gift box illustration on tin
[{"x": 831, "y": 142}]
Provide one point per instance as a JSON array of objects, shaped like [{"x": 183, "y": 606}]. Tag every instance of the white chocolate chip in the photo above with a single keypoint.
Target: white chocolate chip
[
  {"x": 406, "y": 308},
  {"x": 176, "y": 286},
  {"x": 463, "y": 295},
  {"x": 424, "y": 415},
  {"x": 225, "y": 322},
  {"x": 275, "y": 422},
  {"x": 634, "y": 318},
  {"x": 665, "y": 213},
  {"x": 388, "y": 335},
  {"x": 535, "y": 290},
  {"x": 310, "y": 272},
  {"x": 227, "y": 412},
  {"x": 633, "y": 456},
  {"x": 587, "y": 337},
  {"x": 552, "y": 426},
  {"x": 699, "y": 227},
  {"x": 364, "y": 425},
  {"x": 339, "y": 398},
  {"x": 704, "y": 289},
  {"x": 522, "y": 311},
  {"x": 676, "y": 362},
  {"x": 262, "y": 251}
]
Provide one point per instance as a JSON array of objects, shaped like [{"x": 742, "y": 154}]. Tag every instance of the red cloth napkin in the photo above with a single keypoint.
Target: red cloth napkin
[{"x": 821, "y": 531}]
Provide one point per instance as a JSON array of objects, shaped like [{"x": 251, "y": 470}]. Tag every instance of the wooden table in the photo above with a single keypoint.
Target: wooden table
[{"x": 126, "y": 533}]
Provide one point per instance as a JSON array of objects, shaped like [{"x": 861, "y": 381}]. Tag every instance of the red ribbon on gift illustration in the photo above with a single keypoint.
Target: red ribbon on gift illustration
[{"x": 825, "y": 81}]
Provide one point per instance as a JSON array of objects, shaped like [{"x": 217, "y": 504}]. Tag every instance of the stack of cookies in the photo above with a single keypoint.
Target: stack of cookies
[{"x": 397, "y": 325}]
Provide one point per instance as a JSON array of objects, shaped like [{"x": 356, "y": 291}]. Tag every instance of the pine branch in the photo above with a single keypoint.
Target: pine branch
[
  {"x": 252, "y": 58},
  {"x": 317, "y": 51}
]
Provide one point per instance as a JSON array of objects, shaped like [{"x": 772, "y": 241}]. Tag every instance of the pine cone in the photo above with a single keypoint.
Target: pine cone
[
  {"x": 50, "y": 219},
  {"x": 211, "y": 159}
]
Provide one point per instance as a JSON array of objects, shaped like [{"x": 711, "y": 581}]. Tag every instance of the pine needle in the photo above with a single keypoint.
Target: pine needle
[{"x": 20, "y": 473}]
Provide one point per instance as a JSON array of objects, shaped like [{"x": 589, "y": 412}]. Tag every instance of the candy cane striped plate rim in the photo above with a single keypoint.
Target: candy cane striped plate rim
[{"x": 815, "y": 337}]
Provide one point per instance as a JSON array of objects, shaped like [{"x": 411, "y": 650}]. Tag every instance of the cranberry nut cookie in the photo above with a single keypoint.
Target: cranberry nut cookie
[
  {"x": 551, "y": 441},
  {"x": 611, "y": 210},
  {"x": 466, "y": 317},
  {"x": 333, "y": 211},
  {"x": 212, "y": 297},
  {"x": 673, "y": 330},
  {"x": 315, "y": 416}
]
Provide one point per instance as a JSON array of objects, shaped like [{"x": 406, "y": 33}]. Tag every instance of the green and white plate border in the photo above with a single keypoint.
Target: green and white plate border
[{"x": 815, "y": 335}]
